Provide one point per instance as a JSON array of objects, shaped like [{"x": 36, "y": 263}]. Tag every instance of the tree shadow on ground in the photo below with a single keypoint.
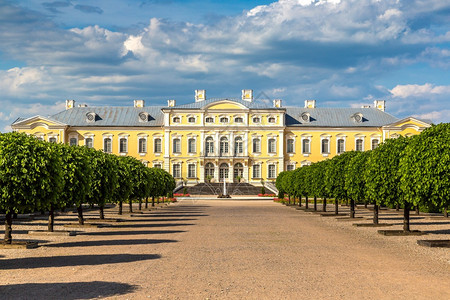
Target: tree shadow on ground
[
  {"x": 2, "y": 232},
  {"x": 72, "y": 260},
  {"x": 111, "y": 243},
  {"x": 442, "y": 231},
  {"x": 154, "y": 220},
  {"x": 148, "y": 225},
  {"x": 135, "y": 232},
  {"x": 65, "y": 290},
  {"x": 171, "y": 215}
]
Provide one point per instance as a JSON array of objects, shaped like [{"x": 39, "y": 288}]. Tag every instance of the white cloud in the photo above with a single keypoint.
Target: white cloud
[
  {"x": 435, "y": 116},
  {"x": 416, "y": 90}
]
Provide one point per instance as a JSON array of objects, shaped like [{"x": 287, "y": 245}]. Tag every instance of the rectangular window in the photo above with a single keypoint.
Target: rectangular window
[
  {"x": 256, "y": 171},
  {"x": 157, "y": 146},
  {"x": 272, "y": 171},
  {"x": 158, "y": 166},
  {"x": 340, "y": 146},
  {"x": 359, "y": 145},
  {"x": 272, "y": 146},
  {"x": 290, "y": 167},
  {"x": 73, "y": 142},
  {"x": 177, "y": 171},
  {"x": 191, "y": 171},
  {"x": 142, "y": 145},
  {"x": 375, "y": 144},
  {"x": 89, "y": 142},
  {"x": 290, "y": 146},
  {"x": 306, "y": 146},
  {"x": 123, "y": 145},
  {"x": 325, "y": 146},
  {"x": 52, "y": 140}
]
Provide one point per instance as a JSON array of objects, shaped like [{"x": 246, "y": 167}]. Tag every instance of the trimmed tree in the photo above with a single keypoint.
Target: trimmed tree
[
  {"x": 355, "y": 183},
  {"x": 30, "y": 176},
  {"x": 124, "y": 181},
  {"x": 425, "y": 168}
]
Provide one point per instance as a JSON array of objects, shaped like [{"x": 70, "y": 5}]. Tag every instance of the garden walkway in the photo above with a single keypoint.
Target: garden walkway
[{"x": 223, "y": 250}]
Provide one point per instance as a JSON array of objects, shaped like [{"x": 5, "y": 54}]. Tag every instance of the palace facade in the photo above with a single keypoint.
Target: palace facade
[{"x": 222, "y": 139}]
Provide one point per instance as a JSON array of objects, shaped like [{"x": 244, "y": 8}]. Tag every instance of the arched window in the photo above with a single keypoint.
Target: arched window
[
  {"x": 340, "y": 146},
  {"x": 325, "y": 146},
  {"x": 359, "y": 145},
  {"x": 176, "y": 120},
  {"x": 176, "y": 145},
  {"x": 375, "y": 143},
  {"x": 209, "y": 120},
  {"x": 123, "y": 145},
  {"x": 238, "y": 120},
  {"x": 52, "y": 140},
  {"x": 223, "y": 171},
  {"x": 157, "y": 146},
  {"x": 306, "y": 149},
  {"x": 257, "y": 145},
  {"x": 272, "y": 146},
  {"x": 209, "y": 170},
  {"x": 223, "y": 120},
  {"x": 209, "y": 146},
  {"x": 107, "y": 145},
  {"x": 72, "y": 141},
  {"x": 191, "y": 146},
  {"x": 223, "y": 145},
  {"x": 238, "y": 170},
  {"x": 238, "y": 147},
  {"x": 271, "y": 120},
  {"x": 256, "y": 120},
  {"x": 290, "y": 146},
  {"x": 142, "y": 145},
  {"x": 191, "y": 120}
]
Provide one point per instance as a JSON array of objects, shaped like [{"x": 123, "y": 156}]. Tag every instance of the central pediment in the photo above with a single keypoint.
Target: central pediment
[{"x": 225, "y": 104}]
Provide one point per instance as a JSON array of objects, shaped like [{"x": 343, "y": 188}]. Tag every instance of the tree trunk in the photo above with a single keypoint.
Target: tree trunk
[
  {"x": 417, "y": 210},
  {"x": 324, "y": 207},
  {"x": 406, "y": 217},
  {"x": 131, "y": 206},
  {"x": 336, "y": 206},
  {"x": 8, "y": 228},
  {"x": 352, "y": 208},
  {"x": 397, "y": 207},
  {"x": 15, "y": 215},
  {"x": 289, "y": 199},
  {"x": 306, "y": 202},
  {"x": 375, "y": 214},
  {"x": 365, "y": 204},
  {"x": 446, "y": 212},
  {"x": 140, "y": 203},
  {"x": 51, "y": 218},
  {"x": 146, "y": 202},
  {"x": 299, "y": 201},
  {"x": 315, "y": 203},
  {"x": 157, "y": 200},
  {"x": 102, "y": 212},
  {"x": 80, "y": 215},
  {"x": 153, "y": 200},
  {"x": 120, "y": 207}
]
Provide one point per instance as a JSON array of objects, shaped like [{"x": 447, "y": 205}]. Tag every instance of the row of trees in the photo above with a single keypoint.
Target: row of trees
[
  {"x": 41, "y": 176},
  {"x": 402, "y": 172}
]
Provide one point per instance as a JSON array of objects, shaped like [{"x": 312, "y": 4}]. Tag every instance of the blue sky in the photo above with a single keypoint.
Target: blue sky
[{"x": 343, "y": 53}]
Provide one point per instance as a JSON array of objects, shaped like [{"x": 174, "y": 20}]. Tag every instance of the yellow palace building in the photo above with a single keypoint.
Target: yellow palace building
[{"x": 222, "y": 139}]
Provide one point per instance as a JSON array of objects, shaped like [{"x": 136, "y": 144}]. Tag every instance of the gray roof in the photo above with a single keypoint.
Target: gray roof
[
  {"x": 338, "y": 117},
  {"x": 118, "y": 116},
  {"x": 111, "y": 116}
]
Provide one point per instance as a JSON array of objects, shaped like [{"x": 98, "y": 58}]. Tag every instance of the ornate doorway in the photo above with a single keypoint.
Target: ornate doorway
[
  {"x": 238, "y": 170},
  {"x": 223, "y": 172}
]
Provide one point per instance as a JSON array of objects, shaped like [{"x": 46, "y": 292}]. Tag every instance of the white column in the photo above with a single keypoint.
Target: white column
[
  {"x": 202, "y": 143},
  {"x": 202, "y": 172},
  {"x": 216, "y": 172},
  {"x": 230, "y": 172},
  {"x": 245, "y": 173},
  {"x": 231, "y": 148},
  {"x": 247, "y": 144},
  {"x": 217, "y": 142}
]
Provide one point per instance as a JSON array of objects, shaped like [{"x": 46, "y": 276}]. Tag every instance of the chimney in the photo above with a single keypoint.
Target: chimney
[
  {"x": 310, "y": 103},
  {"x": 139, "y": 103},
  {"x": 277, "y": 103},
  {"x": 200, "y": 95},
  {"x": 247, "y": 95},
  {"x": 380, "y": 104},
  {"x": 70, "y": 104},
  {"x": 171, "y": 103}
]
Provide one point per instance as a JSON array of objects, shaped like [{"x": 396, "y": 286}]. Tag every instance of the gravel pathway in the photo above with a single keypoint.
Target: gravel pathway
[{"x": 227, "y": 250}]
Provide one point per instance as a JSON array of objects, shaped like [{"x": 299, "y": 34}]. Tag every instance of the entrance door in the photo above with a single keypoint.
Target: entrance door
[{"x": 223, "y": 172}]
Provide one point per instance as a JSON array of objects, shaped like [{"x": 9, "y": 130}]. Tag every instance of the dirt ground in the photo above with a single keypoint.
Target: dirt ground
[{"x": 228, "y": 250}]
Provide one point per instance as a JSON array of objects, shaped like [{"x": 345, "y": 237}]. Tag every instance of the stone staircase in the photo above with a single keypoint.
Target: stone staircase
[{"x": 217, "y": 189}]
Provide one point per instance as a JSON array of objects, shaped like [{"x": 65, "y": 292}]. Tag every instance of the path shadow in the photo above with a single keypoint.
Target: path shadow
[
  {"x": 72, "y": 260},
  {"x": 65, "y": 290},
  {"x": 135, "y": 232},
  {"x": 111, "y": 243}
]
